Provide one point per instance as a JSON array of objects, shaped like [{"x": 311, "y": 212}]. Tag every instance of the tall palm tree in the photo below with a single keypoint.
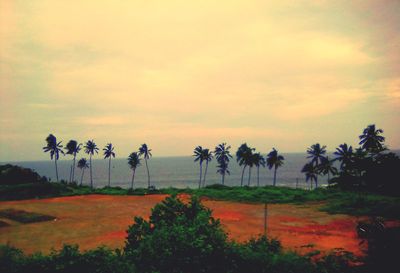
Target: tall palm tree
[
  {"x": 55, "y": 148},
  {"x": 326, "y": 168},
  {"x": 274, "y": 160},
  {"x": 82, "y": 164},
  {"x": 108, "y": 152},
  {"x": 198, "y": 156},
  {"x": 243, "y": 157},
  {"x": 207, "y": 156},
  {"x": 258, "y": 161},
  {"x": 317, "y": 154},
  {"x": 133, "y": 162},
  {"x": 223, "y": 170},
  {"x": 345, "y": 155},
  {"x": 223, "y": 155},
  {"x": 73, "y": 149},
  {"x": 90, "y": 149},
  {"x": 311, "y": 172},
  {"x": 371, "y": 140},
  {"x": 146, "y": 153}
]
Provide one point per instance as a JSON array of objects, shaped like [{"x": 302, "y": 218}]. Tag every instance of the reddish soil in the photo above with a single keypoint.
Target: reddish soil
[{"x": 93, "y": 220}]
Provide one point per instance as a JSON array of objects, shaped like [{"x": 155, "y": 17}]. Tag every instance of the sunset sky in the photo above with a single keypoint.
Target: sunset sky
[{"x": 177, "y": 74}]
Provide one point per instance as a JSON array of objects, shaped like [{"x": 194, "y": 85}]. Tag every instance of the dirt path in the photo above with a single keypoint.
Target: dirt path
[{"x": 93, "y": 220}]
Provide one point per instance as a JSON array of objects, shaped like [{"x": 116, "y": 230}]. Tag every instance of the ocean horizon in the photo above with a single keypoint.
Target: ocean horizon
[{"x": 174, "y": 171}]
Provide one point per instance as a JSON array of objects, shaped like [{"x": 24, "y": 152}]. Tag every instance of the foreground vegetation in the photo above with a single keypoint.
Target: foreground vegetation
[{"x": 184, "y": 237}]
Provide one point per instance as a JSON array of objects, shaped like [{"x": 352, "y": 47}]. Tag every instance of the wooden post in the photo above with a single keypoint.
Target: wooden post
[{"x": 265, "y": 219}]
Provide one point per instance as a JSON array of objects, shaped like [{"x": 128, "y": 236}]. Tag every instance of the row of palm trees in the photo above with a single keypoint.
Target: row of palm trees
[
  {"x": 371, "y": 142},
  {"x": 55, "y": 148},
  {"x": 246, "y": 157}
]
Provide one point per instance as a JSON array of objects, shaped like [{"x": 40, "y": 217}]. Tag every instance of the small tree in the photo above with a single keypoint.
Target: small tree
[{"x": 178, "y": 237}]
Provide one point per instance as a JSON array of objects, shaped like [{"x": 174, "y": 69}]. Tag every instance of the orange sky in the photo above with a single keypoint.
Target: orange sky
[{"x": 176, "y": 74}]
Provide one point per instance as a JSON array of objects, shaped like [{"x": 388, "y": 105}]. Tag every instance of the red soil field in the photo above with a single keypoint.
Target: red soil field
[{"x": 94, "y": 220}]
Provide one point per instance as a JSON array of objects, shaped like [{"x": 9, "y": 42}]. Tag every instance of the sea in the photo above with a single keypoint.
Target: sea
[{"x": 178, "y": 172}]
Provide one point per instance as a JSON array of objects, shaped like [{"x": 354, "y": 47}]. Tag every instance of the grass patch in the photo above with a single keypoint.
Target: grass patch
[{"x": 25, "y": 217}]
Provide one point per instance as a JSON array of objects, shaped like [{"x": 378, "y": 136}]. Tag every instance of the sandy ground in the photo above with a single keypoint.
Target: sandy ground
[{"x": 94, "y": 220}]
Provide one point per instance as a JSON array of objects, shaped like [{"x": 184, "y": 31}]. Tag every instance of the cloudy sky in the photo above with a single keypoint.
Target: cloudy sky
[{"x": 176, "y": 74}]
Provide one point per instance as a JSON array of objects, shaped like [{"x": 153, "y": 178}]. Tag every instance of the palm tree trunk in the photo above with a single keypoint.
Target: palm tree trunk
[
  {"x": 274, "y": 177},
  {"x": 316, "y": 182},
  {"x": 55, "y": 162},
  {"x": 148, "y": 174},
  {"x": 328, "y": 177},
  {"x": 201, "y": 172},
  {"x": 205, "y": 173},
  {"x": 70, "y": 174},
  {"x": 73, "y": 169},
  {"x": 133, "y": 178},
  {"x": 241, "y": 180},
  {"x": 223, "y": 178},
  {"x": 258, "y": 176},
  {"x": 83, "y": 171},
  {"x": 91, "y": 177},
  {"x": 109, "y": 171},
  {"x": 248, "y": 181}
]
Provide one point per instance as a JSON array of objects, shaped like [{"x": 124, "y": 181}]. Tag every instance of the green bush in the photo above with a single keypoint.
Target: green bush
[
  {"x": 177, "y": 238},
  {"x": 68, "y": 260}
]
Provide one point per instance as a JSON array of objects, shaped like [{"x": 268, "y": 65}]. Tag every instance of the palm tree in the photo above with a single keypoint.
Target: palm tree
[
  {"x": 317, "y": 154},
  {"x": 371, "y": 140},
  {"x": 274, "y": 160},
  {"x": 55, "y": 148},
  {"x": 222, "y": 154},
  {"x": 133, "y": 162},
  {"x": 82, "y": 164},
  {"x": 311, "y": 172},
  {"x": 326, "y": 167},
  {"x": 146, "y": 152},
  {"x": 73, "y": 148},
  {"x": 198, "y": 156},
  {"x": 207, "y": 156},
  {"x": 223, "y": 170},
  {"x": 258, "y": 161},
  {"x": 108, "y": 153},
  {"x": 90, "y": 149},
  {"x": 243, "y": 157},
  {"x": 345, "y": 155}
]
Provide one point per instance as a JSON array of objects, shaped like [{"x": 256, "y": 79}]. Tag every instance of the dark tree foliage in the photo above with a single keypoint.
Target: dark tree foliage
[
  {"x": 177, "y": 238},
  {"x": 14, "y": 175},
  {"x": 371, "y": 167},
  {"x": 68, "y": 260},
  {"x": 383, "y": 246}
]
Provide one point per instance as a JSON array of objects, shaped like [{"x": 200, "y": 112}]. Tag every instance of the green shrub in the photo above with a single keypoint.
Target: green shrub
[{"x": 177, "y": 238}]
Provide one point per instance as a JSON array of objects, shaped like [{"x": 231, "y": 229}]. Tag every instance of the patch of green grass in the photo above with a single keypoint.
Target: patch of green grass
[{"x": 25, "y": 216}]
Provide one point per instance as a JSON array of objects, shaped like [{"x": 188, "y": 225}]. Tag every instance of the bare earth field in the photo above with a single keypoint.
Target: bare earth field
[{"x": 94, "y": 220}]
